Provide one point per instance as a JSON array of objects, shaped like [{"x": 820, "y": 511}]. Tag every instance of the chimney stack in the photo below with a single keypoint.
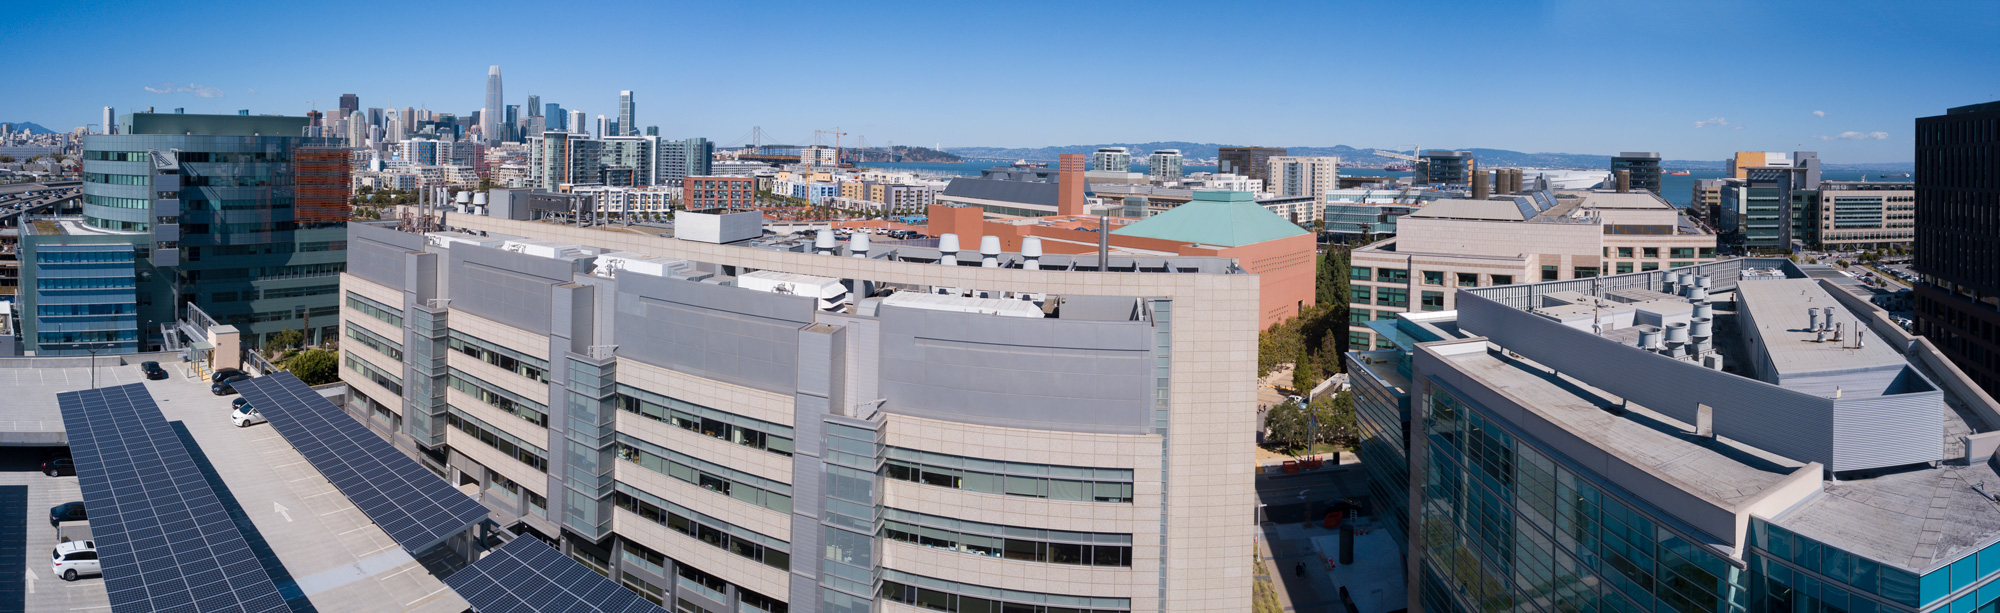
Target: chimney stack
[
  {"x": 989, "y": 251},
  {"x": 1070, "y": 185},
  {"x": 1479, "y": 189},
  {"x": 1514, "y": 179},
  {"x": 823, "y": 242},
  {"x": 1031, "y": 253},
  {"x": 948, "y": 249},
  {"x": 1624, "y": 181}
]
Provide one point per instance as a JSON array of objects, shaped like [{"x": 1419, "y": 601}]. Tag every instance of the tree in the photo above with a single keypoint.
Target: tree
[
  {"x": 1304, "y": 374},
  {"x": 285, "y": 339},
  {"x": 6, "y": 159},
  {"x": 315, "y": 367},
  {"x": 1336, "y": 419},
  {"x": 1287, "y": 424}
]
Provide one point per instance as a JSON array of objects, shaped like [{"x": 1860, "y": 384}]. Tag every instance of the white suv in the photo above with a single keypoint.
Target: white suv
[
  {"x": 245, "y": 415},
  {"x": 76, "y": 558}
]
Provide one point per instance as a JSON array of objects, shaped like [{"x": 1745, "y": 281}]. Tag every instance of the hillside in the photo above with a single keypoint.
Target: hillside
[
  {"x": 900, "y": 153},
  {"x": 1365, "y": 157},
  {"x": 26, "y": 126}
]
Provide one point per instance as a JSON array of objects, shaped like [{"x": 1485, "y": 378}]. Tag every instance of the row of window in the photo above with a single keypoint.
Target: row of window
[
  {"x": 496, "y": 438},
  {"x": 370, "y": 372},
  {"x": 114, "y": 202},
  {"x": 64, "y": 310},
  {"x": 238, "y": 228},
  {"x": 275, "y": 248},
  {"x": 499, "y": 398},
  {"x": 243, "y": 204},
  {"x": 58, "y": 283},
  {"x": 371, "y": 340},
  {"x": 720, "y": 479},
  {"x": 121, "y": 226},
  {"x": 1011, "y": 485},
  {"x": 102, "y": 336},
  {"x": 193, "y": 180},
  {"x": 393, "y": 316},
  {"x": 720, "y": 534},
  {"x": 215, "y": 157},
  {"x": 985, "y": 600},
  {"x": 507, "y": 359},
  {"x": 300, "y": 271},
  {"x": 1653, "y": 253},
  {"x": 1026, "y": 550},
  {"x": 111, "y": 179},
  {"x": 715, "y": 423},
  {"x": 110, "y": 253},
  {"x": 114, "y": 156}
]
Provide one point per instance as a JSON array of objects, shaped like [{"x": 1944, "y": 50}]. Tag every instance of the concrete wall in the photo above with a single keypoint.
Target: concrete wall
[
  {"x": 510, "y": 288},
  {"x": 1049, "y": 374},
  {"x": 744, "y": 337}
]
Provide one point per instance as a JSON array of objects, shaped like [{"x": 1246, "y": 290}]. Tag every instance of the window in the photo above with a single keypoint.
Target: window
[
  {"x": 1358, "y": 273},
  {"x": 498, "y": 439},
  {"x": 1393, "y": 297},
  {"x": 1433, "y": 301},
  {"x": 374, "y": 309},
  {"x": 1551, "y": 273},
  {"x": 1680, "y": 264},
  {"x": 1357, "y": 316},
  {"x": 1584, "y": 272},
  {"x": 1624, "y": 267},
  {"x": 1645, "y": 266},
  {"x": 1015, "y": 543},
  {"x": 1020, "y": 479},
  {"x": 1503, "y": 279},
  {"x": 745, "y": 431},
  {"x": 1652, "y": 252},
  {"x": 1624, "y": 252},
  {"x": 507, "y": 359},
  {"x": 722, "y": 480},
  {"x": 1359, "y": 294},
  {"x": 1433, "y": 277},
  {"x": 715, "y": 532},
  {"x": 1384, "y": 343},
  {"x": 1708, "y": 252},
  {"x": 1392, "y": 275},
  {"x": 1358, "y": 340},
  {"x": 1468, "y": 279},
  {"x": 1682, "y": 252}
]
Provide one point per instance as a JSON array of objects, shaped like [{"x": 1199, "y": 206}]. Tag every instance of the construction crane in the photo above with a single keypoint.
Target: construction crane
[
  {"x": 836, "y": 142},
  {"x": 315, "y": 103}
]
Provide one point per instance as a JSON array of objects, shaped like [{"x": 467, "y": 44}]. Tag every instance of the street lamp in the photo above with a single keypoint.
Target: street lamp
[{"x": 93, "y": 348}]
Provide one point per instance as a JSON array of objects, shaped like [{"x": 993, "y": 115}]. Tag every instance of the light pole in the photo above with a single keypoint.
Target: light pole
[{"x": 93, "y": 348}]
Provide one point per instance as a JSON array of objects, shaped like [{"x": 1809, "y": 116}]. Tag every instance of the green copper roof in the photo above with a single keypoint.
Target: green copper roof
[{"x": 1228, "y": 219}]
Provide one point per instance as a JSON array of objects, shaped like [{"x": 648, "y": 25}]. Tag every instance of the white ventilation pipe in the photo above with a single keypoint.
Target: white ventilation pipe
[
  {"x": 948, "y": 249},
  {"x": 823, "y": 242},
  {"x": 858, "y": 245},
  {"x": 989, "y": 251},
  {"x": 1031, "y": 253}
]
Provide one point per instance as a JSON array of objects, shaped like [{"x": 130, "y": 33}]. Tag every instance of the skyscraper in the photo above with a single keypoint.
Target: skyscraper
[
  {"x": 1252, "y": 162},
  {"x": 110, "y": 121},
  {"x": 557, "y": 119},
  {"x": 625, "y": 125},
  {"x": 1164, "y": 164},
  {"x": 603, "y": 126},
  {"x": 1111, "y": 159},
  {"x": 375, "y": 116},
  {"x": 578, "y": 122},
  {"x": 350, "y": 103},
  {"x": 534, "y": 105},
  {"x": 1958, "y": 238},
  {"x": 513, "y": 119},
  {"x": 489, "y": 120},
  {"x": 1643, "y": 166}
]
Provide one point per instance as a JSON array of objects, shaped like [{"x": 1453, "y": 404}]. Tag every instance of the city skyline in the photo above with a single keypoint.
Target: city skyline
[{"x": 1545, "y": 86}]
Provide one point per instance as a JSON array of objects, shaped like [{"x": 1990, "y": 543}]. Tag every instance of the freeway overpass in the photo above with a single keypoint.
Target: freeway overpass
[{"x": 36, "y": 198}]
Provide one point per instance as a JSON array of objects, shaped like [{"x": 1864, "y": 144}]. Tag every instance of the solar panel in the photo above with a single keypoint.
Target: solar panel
[
  {"x": 412, "y": 504},
  {"x": 163, "y": 537},
  {"x": 529, "y": 576}
]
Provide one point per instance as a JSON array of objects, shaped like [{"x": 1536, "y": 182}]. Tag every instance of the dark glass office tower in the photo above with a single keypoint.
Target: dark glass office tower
[
  {"x": 1958, "y": 238},
  {"x": 239, "y": 215},
  {"x": 1644, "y": 167}
]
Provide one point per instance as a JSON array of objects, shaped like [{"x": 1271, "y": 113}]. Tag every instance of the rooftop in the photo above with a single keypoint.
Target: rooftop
[
  {"x": 1228, "y": 219},
  {"x": 1778, "y": 309}
]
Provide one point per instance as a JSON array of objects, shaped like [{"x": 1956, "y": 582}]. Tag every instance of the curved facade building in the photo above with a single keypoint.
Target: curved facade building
[{"x": 763, "y": 427}]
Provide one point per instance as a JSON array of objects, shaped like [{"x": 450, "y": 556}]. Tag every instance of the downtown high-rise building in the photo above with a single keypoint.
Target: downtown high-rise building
[
  {"x": 1958, "y": 238},
  {"x": 1252, "y": 162},
  {"x": 534, "y": 105},
  {"x": 625, "y": 125},
  {"x": 489, "y": 117},
  {"x": 557, "y": 118},
  {"x": 110, "y": 121},
  {"x": 350, "y": 103},
  {"x": 578, "y": 121}
]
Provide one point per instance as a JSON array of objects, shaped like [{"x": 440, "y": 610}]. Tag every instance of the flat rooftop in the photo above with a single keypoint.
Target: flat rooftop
[
  {"x": 30, "y": 417},
  {"x": 1911, "y": 519},
  {"x": 1779, "y": 309},
  {"x": 1721, "y": 471}
]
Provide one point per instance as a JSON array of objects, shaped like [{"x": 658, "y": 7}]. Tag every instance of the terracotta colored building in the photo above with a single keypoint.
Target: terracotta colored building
[
  {"x": 1215, "y": 223},
  {"x": 702, "y": 193}
]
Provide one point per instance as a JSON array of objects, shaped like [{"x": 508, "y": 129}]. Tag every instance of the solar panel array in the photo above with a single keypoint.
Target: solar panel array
[
  {"x": 412, "y": 504},
  {"x": 164, "y": 539},
  {"x": 528, "y": 576}
]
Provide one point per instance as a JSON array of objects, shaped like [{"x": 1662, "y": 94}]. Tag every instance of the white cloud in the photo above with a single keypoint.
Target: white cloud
[
  {"x": 1735, "y": 127},
  {"x": 1819, "y": 113},
  {"x": 1712, "y": 121},
  {"x": 253, "y": 91},
  {"x": 1852, "y": 135},
  {"x": 190, "y": 88}
]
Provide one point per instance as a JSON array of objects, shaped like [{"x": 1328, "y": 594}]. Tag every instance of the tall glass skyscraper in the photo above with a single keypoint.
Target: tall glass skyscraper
[
  {"x": 240, "y": 215},
  {"x": 489, "y": 116},
  {"x": 625, "y": 125},
  {"x": 554, "y": 117}
]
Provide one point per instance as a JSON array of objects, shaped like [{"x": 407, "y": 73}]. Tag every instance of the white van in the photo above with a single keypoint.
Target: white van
[
  {"x": 76, "y": 558},
  {"x": 246, "y": 415}
]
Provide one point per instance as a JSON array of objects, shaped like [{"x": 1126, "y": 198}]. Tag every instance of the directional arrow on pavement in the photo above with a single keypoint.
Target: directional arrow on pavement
[
  {"x": 31, "y": 581},
  {"x": 281, "y": 511}
]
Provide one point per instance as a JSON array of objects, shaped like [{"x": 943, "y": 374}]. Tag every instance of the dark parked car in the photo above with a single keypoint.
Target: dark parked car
[
  {"x": 226, "y": 373},
  {"x": 68, "y": 511},
  {"x": 227, "y": 386},
  {"x": 238, "y": 403},
  {"x": 153, "y": 370},
  {"x": 59, "y": 466}
]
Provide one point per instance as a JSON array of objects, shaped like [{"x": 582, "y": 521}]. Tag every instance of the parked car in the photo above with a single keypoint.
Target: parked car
[
  {"x": 76, "y": 558},
  {"x": 153, "y": 370},
  {"x": 245, "y": 416},
  {"x": 227, "y": 386},
  {"x": 226, "y": 373},
  {"x": 59, "y": 466},
  {"x": 238, "y": 403},
  {"x": 68, "y": 511}
]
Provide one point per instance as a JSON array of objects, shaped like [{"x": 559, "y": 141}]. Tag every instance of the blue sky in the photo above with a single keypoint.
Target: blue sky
[{"x": 1693, "y": 80}]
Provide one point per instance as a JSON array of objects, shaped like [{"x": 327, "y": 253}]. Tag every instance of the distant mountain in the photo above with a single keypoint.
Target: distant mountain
[
  {"x": 26, "y": 126},
  {"x": 900, "y": 153},
  {"x": 1366, "y": 157}
]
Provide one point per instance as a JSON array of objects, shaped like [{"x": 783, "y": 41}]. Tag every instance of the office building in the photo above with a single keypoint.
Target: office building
[
  {"x": 1756, "y": 214},
  {"x": 1855, "y": 215},
  {"x": 1451, "y": 245},
  {"x": 110, "y": 125},
  {"x": 1164, "y": 164},
  {"x": 1958, "y": 238},
  {"x": 1706, "y": 201},
  {"x": 350, "y": 103},
  {"x": 1446, "y": 167},
  {"x": 375, "y": 117},
  {"x": 1642, "y": 169},
  {"x": 233, "y": 214},
  {"x": 489, "y": 115},
  {"x": 604, "y": 126},
  {"x": 680, "y": 159},
  {"x": 578, "y": 122},
  {"x": 729, "y": 423},
  {"x": 1309, "y": 176},
  {"x": 626, "y": 125},
  {"x": 1740, "y": 436},
  {"x": 1252, "y": 162},
  {"x": 699, "y": 193},
  {"x": 534, "y": 107},
  {"x": 557, "y": 119},
  {"x": 1111, "y": 159}
]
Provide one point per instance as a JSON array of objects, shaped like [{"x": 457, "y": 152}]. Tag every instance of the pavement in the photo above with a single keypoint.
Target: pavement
[
  {"x": 1293, "y": 506},
  {"x": 323, "y": 552},
  {"x": 27, "y": 582}
]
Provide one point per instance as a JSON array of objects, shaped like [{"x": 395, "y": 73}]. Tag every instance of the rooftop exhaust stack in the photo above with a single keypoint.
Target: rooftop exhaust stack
[
  {"x": 1813, "y": 317},
  {"x": 858, "y": 245},
  {"x": 1031, "y": 253},
  {"x": 1703, "y": 281},
  {"x": 1513, "y": 180},
  {"x": 1624, "y": 181},
  {"x": 1677, "y": 332},
  {"x": 1479, "y": 188},
  {"x": 1826, "y": 318},
  {"x": 823, "y": 241},
  {"x": 989, "y": 251},
  {"x": 948, "y": 249},
  {"x": 1704, "y": 309},
  {"x": 1649, "y": 339},
  {"x": 1860, "y": 335},
  {"x": 1669, "y": 281}
]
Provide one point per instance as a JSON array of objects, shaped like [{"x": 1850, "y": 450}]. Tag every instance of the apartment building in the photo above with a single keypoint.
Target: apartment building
[
  {"x": 1739, "y": 436},
  {"x": 723, "y": 422},
  {"x": 1111, "y": 159},
  {"x": 1454, "y": 244},
  {"x": 703, "y": 193},
  {"x": 1312, "y": 176}
]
